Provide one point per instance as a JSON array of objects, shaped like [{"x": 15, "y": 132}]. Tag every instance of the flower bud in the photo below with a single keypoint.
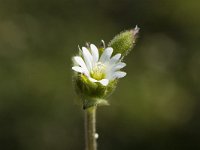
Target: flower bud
[{"x": 124, "y": 42}]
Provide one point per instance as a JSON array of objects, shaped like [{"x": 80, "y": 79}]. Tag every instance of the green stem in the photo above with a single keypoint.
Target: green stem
[{"x": 90, "y": 129}]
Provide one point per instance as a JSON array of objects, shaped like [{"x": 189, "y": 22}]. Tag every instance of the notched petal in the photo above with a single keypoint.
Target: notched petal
[
  {"x": 106, "y": 54},
  {"x": 119, "y": 74},
  {"x": 78, "y": 69},
  {"x": 87, "y": 57},
  {"x": 95, "y": 52}
]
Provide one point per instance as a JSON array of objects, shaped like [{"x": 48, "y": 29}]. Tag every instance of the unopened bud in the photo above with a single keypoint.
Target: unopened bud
[{"x": 124, "y": 42}]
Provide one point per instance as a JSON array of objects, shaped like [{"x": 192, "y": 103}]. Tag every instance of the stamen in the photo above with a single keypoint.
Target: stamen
[{"x": 98, "y": 71}]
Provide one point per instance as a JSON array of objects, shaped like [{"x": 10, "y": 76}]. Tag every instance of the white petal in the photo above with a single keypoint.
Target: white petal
[
  {"x": 92, "y": 79},
  {"x": 104, "y": 82},
  {"x": 106, "y": 54},
  {"x": 95, "y": 52},
  {"x": 119, "y": 65},
  {"x": 115, "y": 58},
  {"x": 81, "y": 63},
  {"x": 78, "y": 69},
  {"x": 109, "y": 75},
  {"x": 87, "y": 57},
  {"x": 119, "y": 74}
]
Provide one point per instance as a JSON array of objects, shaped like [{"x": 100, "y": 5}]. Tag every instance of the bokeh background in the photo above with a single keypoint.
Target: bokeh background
[{"x": 155, "y": 107}]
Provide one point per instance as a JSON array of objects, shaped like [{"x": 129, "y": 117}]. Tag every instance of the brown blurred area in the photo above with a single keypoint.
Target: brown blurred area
[{"x": 155, "y": 107}]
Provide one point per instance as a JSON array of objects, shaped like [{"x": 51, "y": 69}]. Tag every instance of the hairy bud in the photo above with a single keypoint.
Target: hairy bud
[{"x": 124, "y": 42}]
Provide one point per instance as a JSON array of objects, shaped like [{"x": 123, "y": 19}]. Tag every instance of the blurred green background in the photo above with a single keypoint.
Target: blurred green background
[{"x": 155, "y": 107}]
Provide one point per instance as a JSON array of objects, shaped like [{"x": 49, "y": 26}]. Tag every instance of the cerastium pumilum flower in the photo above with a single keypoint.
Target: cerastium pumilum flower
[{"x": 96, "y": 72}]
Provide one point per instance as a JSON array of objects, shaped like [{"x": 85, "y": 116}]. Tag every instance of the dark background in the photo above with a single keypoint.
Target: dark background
[{"x": 155, "y": 107}]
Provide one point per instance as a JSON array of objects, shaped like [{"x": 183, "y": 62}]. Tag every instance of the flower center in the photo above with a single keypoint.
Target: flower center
[{"x": 98, "y": 71}]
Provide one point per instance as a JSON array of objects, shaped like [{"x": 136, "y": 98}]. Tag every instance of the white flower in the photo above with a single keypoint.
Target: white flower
[{"x": 102, "y": 69}]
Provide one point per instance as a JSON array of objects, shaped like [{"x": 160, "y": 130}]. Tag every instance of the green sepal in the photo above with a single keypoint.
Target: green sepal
[
  {"x": 92, "y": 94},
  {"x": 124, "y": 42}
]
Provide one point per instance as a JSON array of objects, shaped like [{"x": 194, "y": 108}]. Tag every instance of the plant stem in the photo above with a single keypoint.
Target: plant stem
[{"x": 90, "y": 129}]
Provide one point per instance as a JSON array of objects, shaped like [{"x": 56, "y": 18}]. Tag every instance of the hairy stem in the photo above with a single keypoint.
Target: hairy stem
[{"x": 90, "y": 129}]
